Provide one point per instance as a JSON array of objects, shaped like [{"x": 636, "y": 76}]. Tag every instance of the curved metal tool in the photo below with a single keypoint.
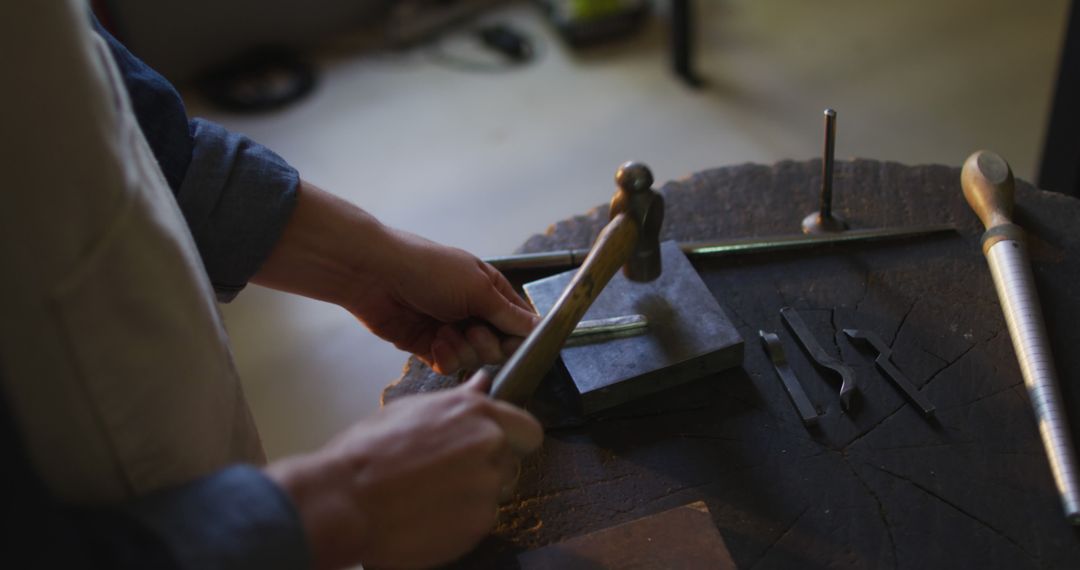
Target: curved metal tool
[
  {"x": 787, "y": 376},
  {"x": 894, "y": 374},
  {"x": 810, "y": 343}
]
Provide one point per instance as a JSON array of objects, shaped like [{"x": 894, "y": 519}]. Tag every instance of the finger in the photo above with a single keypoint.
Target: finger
[
  {"x": 503, "y": 286},
  {"x": 443, "y": 358},
  {"x": 467, "y": 358},
  {"x": 523, "y": 433},
  {"x": 480, "y": 382},
  {"x": 509, "y": 471},
  {"x": 485, "y": 343},
  {"x": 510, "y": 344},
  {"x": 507, "y": 312}
]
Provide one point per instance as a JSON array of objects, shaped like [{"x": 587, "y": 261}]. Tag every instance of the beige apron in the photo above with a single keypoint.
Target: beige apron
[{"x": 112, "y": 351}]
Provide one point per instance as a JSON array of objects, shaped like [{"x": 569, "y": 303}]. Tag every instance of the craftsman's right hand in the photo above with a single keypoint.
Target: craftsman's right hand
[
  {"x": 416, "y": 485},
  {"x": 441, "y": 303}
]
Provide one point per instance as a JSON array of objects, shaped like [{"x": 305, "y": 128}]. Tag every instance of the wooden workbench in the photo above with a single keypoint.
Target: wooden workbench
[{"x": 880, "y": 487}]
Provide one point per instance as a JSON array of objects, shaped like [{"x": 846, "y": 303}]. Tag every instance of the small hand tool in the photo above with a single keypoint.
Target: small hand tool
[
  {"x": 987, "y": 181},
  {"x": 894, "y": 374},
  {"x": 787, "y": 377},
  {"x": 632, "y": 237},
  {"x": 569, "y": 258},
  {"x": 810, "y": 343},
  {"x": 823, "y": 221},
  {"x": 601, "y": 330}
]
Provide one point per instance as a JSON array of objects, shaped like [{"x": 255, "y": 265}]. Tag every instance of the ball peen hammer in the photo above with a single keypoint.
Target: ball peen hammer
[
  {"x": 631, "y": 240},
  {"x": 988, "y": 187}
]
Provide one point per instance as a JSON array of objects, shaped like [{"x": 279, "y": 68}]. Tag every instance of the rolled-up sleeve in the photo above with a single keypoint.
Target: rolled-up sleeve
[
  {"x": 235, "y": 518},
  {"x": 236, "y": 196}
]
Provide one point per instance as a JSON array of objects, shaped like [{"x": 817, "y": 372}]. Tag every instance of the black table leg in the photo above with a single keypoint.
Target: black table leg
[
  {"x": 1060, "y": 168},
  {"x": 682, "y": 39}
]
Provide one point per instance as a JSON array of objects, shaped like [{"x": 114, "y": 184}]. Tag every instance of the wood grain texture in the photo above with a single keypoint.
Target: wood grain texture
[{"x": 877, "y": 488}]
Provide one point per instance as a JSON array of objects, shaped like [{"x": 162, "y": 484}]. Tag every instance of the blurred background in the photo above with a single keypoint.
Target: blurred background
[{"x": 480, "y": 122}]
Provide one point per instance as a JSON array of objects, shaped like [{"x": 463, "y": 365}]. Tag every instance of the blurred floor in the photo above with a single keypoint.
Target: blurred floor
[{"x": 484, "y": 160}]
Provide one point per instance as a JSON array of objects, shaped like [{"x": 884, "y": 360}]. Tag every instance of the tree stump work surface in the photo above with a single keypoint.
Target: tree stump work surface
[{"x": 879, "y": 487}]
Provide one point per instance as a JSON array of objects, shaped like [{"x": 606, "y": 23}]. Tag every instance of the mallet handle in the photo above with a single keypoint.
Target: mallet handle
[
  {"x": 988, "y": 188},
  {"x": 518, "y": 378}
]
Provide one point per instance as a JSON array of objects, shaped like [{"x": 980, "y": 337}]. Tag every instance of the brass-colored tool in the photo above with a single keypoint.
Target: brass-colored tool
[
  {"x": 631, "y": 239},
  {"x": 569, "y": 258},
  {"x": 823, "y": 220},
  {"x": 988, "y": 187}
]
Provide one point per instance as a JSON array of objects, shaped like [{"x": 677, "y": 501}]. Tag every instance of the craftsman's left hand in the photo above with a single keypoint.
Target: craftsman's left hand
[{"x": 446, "y": 306}]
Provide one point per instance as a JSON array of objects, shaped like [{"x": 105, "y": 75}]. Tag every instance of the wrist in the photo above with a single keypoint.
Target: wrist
[
  {"x": 329, "y": 249},
  {"x": 320, "y": 487}
]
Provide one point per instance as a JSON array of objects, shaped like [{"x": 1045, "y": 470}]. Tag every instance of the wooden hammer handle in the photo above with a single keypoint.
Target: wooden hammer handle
[
  {"x": 988, "y": 187},
  {"x": 519, "y": 377}
]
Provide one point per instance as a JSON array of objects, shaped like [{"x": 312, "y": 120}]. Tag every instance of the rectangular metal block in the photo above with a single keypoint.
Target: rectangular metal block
[{"x": 689, "y": 335}]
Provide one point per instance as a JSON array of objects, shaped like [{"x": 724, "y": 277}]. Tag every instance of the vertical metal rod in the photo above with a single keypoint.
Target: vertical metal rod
[
  {"x": 822, "y": 220},
  {"x": 827, "y": 164}
]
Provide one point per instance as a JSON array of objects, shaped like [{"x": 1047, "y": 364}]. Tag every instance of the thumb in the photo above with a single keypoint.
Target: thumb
[
  {"x": 479, "y": 382},
  {"x": 509, "y": 318}
]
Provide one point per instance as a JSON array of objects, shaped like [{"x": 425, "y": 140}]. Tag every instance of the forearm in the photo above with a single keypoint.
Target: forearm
[
  {"x": 328, "y": 249},
  {"x": 440, "y": 303}
]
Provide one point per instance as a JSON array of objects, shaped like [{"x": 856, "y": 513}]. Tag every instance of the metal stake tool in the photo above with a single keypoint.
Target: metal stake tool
[
  {"x": 884, "y": 362},
  {"x": 988, "y": 188},
  {"x": 848, "y": 386},
  {"x": 791, "y": 382},
  {"x": 823, "y": 220}
]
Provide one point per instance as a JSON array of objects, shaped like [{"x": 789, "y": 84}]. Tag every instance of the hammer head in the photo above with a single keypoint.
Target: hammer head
[{"x": 635, "y": 197}]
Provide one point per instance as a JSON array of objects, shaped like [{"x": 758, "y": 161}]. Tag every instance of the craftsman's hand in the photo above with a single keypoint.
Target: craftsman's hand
[
  {"x": 444, "y": 305},
  {"x": 416, "y": 485},
  {"x": 441, "y": 303}
]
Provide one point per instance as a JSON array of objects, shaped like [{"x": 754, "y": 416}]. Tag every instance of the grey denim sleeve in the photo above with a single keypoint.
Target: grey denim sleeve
[
  {"x": 235, "y": 518},
  {"x": 236, "y": 196}
]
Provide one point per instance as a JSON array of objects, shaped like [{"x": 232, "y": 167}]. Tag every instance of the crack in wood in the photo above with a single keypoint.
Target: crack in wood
[
  {"x": 882, "y": 513},
  {"x": 845, "y": 448},
  {"x": 960, "y": 510},
  {"x": 730, "y": 308},
  {"x": 926, "y": 445},
  {"x": 836, "y": 333},
  {"x": 779, "y": 538},
  {"x": 1022, "y": 396},
  {"x": 866, "y": 288},
  {"x": 903, "y": 320},
  {"x": 948, "y": 364},
  {"x": 984, "y": 397}
]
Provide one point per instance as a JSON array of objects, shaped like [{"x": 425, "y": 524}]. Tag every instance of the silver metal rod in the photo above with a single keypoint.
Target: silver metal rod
[
  {"x": 569, "y": 258},
  {"x": 1011, "y": 270}
]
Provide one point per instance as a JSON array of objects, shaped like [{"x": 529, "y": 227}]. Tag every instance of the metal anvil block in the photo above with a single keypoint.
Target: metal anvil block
[{"x": 689, "y": 336}]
